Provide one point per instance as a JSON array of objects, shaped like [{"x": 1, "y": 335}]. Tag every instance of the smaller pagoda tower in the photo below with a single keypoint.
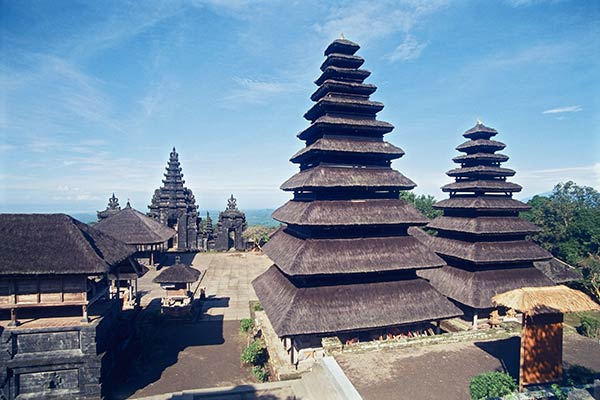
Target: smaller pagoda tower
[
  {"x": 174, "y": 205},
  {"x": 480, "y": 234},
  {"x": 112, "y": 208}
]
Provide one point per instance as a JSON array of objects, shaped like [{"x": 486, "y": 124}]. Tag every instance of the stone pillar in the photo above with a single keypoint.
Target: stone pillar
[
  {"x": 85, "y": 313},
  {"x": 474, "y": 320},
  {"x": 13, "y": 317}
]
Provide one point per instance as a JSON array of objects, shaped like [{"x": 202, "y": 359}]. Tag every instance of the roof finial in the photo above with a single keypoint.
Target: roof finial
[
  {"x": 174, "y": 149},
  {"x": 128, "y": 205},
  {"x": 479, "y": 121},
  {"x": 342, "y": 36}
]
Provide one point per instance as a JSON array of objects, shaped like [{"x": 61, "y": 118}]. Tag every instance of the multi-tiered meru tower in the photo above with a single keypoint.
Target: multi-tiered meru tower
[
  {"x": 175, "y": 206},
  {"x": 480, "y": 235},
  {"x": 344, "y": 261}
]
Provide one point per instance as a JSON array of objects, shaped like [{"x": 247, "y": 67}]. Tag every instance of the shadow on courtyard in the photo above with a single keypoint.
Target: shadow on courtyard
[
  {"x": 507, "y": 351},
  {"x": 158, "y": 345},
  {"x": 246, "y": 392}
]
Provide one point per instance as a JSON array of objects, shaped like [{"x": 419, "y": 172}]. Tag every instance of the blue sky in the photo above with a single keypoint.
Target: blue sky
[{"x": 93, "y": 95}]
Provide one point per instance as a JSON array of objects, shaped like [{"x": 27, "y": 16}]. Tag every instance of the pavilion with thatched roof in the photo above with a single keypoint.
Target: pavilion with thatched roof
[
  {"x": 344, "y": 262},
  {"x": 177, "y": 280},
  {"x": 480, "y": 235},
  {"x": 542, "y": 331},
  {"x": 57, "y": 322},
  {"x": 132, "y": 227}
]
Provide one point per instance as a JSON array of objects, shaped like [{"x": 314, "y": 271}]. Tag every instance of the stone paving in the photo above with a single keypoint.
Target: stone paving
[{"x": 228, "y": 283}]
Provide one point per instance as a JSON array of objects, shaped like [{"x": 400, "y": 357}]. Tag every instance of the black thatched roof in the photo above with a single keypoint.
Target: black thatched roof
[
  {"x": 557, "y": 271},
  {"x": 476, "y": 289},
  {"x": 349, "y": 212},
  {"x": 481, "y": 203},
  {"x": 361, "y": 306},
  {"x": 341, "y": 46},
  {"x": 133, "y": 227},
  {"x": 349, "y": 88},
  {"x": 483, "y": 186},
  {"x": 340, "y": 146},
  {"x": 342, "y": 177},
  {"x": 178, "y": 273},
  {"x": 56, "y": 244},
  {"x": 342, "y": 60},
  {"x": 484, "y": 225},
  {"x": 489, "y": 252},
  {"x": 296, "y": 256},
  {"x": 480, "y": 131}
]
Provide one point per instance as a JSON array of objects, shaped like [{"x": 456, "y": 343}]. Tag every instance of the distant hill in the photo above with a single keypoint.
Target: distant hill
[{"x": 253, "y": 217}]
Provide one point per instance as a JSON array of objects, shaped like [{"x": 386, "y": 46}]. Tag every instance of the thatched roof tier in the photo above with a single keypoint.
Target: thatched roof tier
[
  {"x": 341, "y": 145},
  {"x": 557, "y": 271},
  {"x": 323, "y": 176},
  {"x": 480, "y": 159},
  {"x": 343, "y": 74},
  {"x": 551, "y": 299},
  {"x": 345, "y": 126},
  {"x": 349, "y": 213},
  {"x": 344, "y": 88},
  {"x": 480, "y": 131},
  {"x": 132, "y": 227},
  {"x": 476, "y": 288},
  {"x": 345, "y": 308},
  {"x": 296, "y": 256},
  {"x": 337, "y": 104},
  {"x": 489, "y": 253},
  {"x": 501, "y": 225},
  {"x": 480, "y": 172},
  {"x": 487, "y": 185},
  {"x": 342, "y": 61},
  {"x": 480, "y": 145},
  {"x": 56, "y": 244},
  {"x": 481, "y": 203},
  {"x": 178, "y": 273},
  {"x": 342, "y": 46}
]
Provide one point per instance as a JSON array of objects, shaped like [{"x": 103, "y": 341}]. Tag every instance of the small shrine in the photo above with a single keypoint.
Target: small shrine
[
  {"x": 231, "y": 225},
  {"x": 176, "y": 280}
]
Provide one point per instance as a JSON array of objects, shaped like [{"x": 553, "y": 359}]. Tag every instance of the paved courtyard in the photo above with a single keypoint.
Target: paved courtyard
[
  {"x": 444, "y": 371},
  {"x": 175, "y": 355}
]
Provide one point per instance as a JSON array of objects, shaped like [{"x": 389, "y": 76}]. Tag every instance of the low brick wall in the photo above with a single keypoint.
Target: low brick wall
[{"x": 333, "y": 345}]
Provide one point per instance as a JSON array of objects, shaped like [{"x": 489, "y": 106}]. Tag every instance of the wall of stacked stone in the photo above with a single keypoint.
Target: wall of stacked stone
[
  {"x": 333, "y": 345},
  {"x": 66, "y": 361}
]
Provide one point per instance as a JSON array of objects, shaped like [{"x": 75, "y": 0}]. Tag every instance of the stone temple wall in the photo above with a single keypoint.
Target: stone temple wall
[{"x": 59, "y": 361}]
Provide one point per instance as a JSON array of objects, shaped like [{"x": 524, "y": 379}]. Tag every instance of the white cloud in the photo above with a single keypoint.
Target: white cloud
[
  {"x": 527, "y": 3},
  {"x": 368, "y": 21},
  {"x": 253, "y": 91},
  {"x": 410, "y": 49},
  {"x": 559, "y": 110},
  {"x": 543, "y": 180}
]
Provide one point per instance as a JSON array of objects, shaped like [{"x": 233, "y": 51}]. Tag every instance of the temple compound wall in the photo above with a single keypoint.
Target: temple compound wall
[{"x": 59, "y": 361}]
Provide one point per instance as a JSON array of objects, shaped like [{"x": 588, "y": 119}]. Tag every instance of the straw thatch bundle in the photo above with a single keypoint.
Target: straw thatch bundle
[{"x": 541, "y": 300}]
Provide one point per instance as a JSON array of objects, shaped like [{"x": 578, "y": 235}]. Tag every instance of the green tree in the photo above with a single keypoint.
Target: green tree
[
  {"x": 259, "y": 234},
  {"x": 423, "y": 202},
  {"x": 569, "y": 219}
]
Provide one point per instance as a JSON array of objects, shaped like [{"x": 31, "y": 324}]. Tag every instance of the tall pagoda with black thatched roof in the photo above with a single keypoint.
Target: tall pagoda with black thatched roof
[
  {"x": 480, "y": 234},
  {"x": 344, "y": 261},
  {"x": 175, "y": 206}
]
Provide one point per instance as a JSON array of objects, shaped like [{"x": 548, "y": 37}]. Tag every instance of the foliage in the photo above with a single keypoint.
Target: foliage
[
  {"x": 261, "y": 373},
  {"x": 557, "y": 392},
  {"x": 590, "y": 326},
  {"x": 246, "y": 325},
  {"x": 569, "y": 219},
  {"x": 257, "y": 306},
  {"x": 578, "y": 375},
  {"x": 255, "y": 353},
  {"x": 491, "y": 384},
  {"x": 258, "y": 234},
  {"x": 423, "y": 202}
]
